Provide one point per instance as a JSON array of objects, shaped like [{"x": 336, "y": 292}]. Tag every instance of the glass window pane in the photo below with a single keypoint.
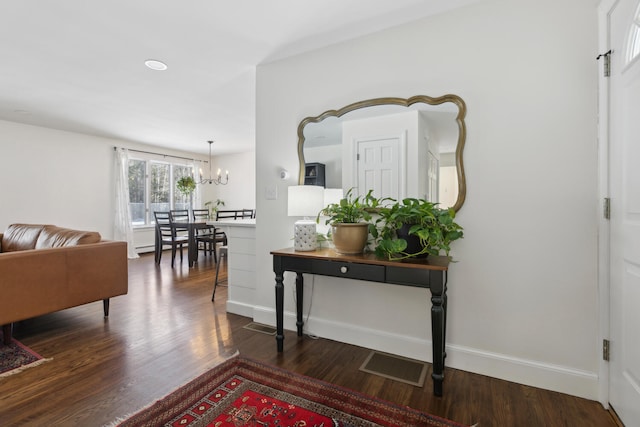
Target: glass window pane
[
  {"x": 159, "y": 188},
  {"x": 634, "y": 38},
  {"x": 137, "y": 172},
  {"x": 180, "y": 201}
]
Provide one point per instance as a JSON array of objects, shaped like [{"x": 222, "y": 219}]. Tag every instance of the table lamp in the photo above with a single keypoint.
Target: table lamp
[{"x": 305, "y": 201}]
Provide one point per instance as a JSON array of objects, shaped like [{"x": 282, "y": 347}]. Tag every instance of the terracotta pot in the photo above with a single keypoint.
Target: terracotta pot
[{"x": 350, "y": 238}]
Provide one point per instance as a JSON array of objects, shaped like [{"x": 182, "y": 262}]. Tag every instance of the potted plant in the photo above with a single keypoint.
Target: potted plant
[
  {"x": 186, "y": 185},
  {"x": 349, "y": 220},
  {"x": 213, "y": 207},
  {"x": 414, "y": 228}
]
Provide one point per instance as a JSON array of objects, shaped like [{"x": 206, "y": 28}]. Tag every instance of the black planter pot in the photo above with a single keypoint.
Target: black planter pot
[{"x": 413, "y": 242}]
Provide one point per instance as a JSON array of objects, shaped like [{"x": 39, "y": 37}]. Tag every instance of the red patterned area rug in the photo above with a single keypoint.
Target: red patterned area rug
[
  {"x": 16, "y": 357},
  {"x": 244, "y": 392}
]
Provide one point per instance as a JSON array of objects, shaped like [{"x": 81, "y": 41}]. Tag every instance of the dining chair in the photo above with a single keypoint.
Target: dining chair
[
  {"x": 223, "y": 254},
  {"x": 166, "y": 235},
  {"x": 206, "y": 236},
  {"x": 179, "y": 214},
  {"x": 227, "y": 214}
]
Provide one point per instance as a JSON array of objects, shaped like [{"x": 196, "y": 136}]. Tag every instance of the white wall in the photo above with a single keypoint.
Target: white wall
[
  {"x": 240, "y": 192},
  {"x": 64, "y": 178},
  {"x": 523, "y": 294}
]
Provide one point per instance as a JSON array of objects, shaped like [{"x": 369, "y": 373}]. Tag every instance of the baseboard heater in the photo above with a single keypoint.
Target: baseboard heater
[{"x": 145, "y": 249}]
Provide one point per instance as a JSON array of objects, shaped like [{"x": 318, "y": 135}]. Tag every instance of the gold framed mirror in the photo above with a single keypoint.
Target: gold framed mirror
[{"x": 425, "y": 136}]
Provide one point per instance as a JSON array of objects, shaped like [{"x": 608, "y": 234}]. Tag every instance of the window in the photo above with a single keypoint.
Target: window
[
  {"x": 152, "y": 187},
  {"x": 634, "y": 38},
  {"x": 180, "y": 201},
  {"x": 137, "y": 180}
]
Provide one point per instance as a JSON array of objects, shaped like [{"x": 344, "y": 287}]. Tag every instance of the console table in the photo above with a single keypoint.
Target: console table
[{"x": 423, "y": 273}]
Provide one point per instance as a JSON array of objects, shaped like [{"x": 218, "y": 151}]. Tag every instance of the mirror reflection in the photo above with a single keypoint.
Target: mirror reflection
[{"x": 398, "y": 147}]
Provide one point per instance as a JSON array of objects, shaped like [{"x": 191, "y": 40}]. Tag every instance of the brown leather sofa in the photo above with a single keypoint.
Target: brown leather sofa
[{"x": 44, "y": 268}]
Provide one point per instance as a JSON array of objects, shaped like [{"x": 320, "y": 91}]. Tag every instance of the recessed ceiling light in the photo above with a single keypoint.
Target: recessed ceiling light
[{"x": 155, "y": 65}]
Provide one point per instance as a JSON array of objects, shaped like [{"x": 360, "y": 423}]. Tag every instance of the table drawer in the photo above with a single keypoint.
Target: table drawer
[{"x": 374, "y": 273}]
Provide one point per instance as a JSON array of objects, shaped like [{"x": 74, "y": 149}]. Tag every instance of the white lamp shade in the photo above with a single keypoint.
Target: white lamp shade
[{"x": 305, "y": 200}]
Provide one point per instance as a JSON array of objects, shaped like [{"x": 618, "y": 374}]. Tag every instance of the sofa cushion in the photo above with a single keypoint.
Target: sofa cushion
[
  {"x": 20, "y": 237},
  {"x": 55, "y": 237}
]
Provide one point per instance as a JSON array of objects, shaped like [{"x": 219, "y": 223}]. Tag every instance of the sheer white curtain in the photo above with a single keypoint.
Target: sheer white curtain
[{"x": 122, "y": 228}]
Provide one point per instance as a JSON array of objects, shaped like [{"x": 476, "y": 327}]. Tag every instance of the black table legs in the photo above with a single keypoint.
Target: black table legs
[
  {"x": 280, "y": 311},
  {"x": 435, "y": 280},
  {"x": 438, "y": 325}
]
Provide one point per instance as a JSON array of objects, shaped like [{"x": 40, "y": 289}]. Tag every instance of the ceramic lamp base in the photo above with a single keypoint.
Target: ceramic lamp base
[{"x": 304, "y": 236}]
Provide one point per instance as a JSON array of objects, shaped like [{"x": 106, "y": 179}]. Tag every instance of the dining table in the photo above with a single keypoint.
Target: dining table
[{"x": 190, "y": 225}]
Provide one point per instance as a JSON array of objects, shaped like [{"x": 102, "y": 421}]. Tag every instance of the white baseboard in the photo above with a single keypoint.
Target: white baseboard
[
  {"x": 548, "y": 376},
  {"x": 243, "y": 309}
]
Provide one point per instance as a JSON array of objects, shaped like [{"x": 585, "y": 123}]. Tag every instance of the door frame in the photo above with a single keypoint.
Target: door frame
[{"x": 604, "y": 302}]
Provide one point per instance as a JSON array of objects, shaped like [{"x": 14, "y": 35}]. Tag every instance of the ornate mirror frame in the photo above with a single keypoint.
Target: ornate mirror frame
[{"x": 462, "y": 132}]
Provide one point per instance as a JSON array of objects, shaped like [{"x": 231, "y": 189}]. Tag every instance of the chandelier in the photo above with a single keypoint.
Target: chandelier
[{"x": 218, "y": 179}]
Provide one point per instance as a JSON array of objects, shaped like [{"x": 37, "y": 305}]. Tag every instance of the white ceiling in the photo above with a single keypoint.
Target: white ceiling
[{"x": 78, "y": 65}]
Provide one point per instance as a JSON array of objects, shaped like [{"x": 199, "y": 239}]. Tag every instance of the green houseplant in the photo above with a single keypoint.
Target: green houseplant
[
  {"x": 414, "y": 228},
  {"x": 349, "y": 220},
  {"x": 213, "y": 206},
  {"x": 186, "y": 185}
]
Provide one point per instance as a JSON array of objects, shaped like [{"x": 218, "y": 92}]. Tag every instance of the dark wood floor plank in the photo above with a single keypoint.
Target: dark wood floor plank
[{"x": 167, "y": 331}]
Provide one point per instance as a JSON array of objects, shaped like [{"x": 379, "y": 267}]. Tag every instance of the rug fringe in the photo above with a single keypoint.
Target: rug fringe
[
  {"x": 24, "y": 367},
  {"x": 123, "y": 418}
]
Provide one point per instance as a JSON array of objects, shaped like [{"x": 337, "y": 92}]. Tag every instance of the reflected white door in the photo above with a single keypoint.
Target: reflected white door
[
  {"x": 433, "y": 179},
  {"x": 379, "y": 167},
  {"x": 624, "y": 176}
]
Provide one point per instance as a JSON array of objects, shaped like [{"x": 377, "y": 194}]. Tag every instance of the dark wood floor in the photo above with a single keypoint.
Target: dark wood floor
[{"x": 166, "y": 331}]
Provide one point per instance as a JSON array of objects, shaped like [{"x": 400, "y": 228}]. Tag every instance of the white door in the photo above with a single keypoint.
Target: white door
[
  {"x": 624, "y": 187},
  {"x": 433, "y": 179},
  {"x": 379, "y": 167}
]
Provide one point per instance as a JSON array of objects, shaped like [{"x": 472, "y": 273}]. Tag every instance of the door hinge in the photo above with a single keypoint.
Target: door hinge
[
  {"x": 605, "y": 350},
  {"x": 606, "y": 208},
  {"x": 606, "y": 64}
]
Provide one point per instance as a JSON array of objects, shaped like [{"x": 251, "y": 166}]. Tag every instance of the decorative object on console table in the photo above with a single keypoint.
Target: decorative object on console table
[
  {"x": 414, "y": 228},
  {"x": 305, "y": 201},
  {"x": 349, "y": 219},
  {"x": 314, "y": 174}
]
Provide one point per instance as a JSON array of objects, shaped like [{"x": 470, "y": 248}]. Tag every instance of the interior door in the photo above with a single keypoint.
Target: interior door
[
  {"x": 378, "y": 163},
  {"x": 624, "y": 187}
]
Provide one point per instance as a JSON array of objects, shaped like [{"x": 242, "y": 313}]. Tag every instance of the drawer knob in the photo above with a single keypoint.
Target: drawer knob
[{"x": 343, "y": 269}]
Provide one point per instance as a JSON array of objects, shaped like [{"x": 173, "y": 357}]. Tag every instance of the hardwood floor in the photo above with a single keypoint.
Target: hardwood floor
[{"x": 167, "y": 331}]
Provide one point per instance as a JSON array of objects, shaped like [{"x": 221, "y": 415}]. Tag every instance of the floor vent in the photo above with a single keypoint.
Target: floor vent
[
  {"x": 397, "y": 368},
  {"x": 259, "y": 327}
]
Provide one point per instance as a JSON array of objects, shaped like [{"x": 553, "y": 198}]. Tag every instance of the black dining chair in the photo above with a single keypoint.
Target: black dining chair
[
  {"x": 226, "y": 214},
  {"x": 166, "y": 235},
  {"x": 180, "y": 214},
  {"x": 207, "y": 236}
]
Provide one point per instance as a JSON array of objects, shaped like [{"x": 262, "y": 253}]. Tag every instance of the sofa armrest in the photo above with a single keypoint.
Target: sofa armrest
[{"x": 41, "y": 281}]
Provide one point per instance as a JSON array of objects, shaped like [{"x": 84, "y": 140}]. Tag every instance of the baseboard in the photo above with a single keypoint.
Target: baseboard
[
  {"x": 246, "y": 310},
  {"x": 548, "y": 376}
]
